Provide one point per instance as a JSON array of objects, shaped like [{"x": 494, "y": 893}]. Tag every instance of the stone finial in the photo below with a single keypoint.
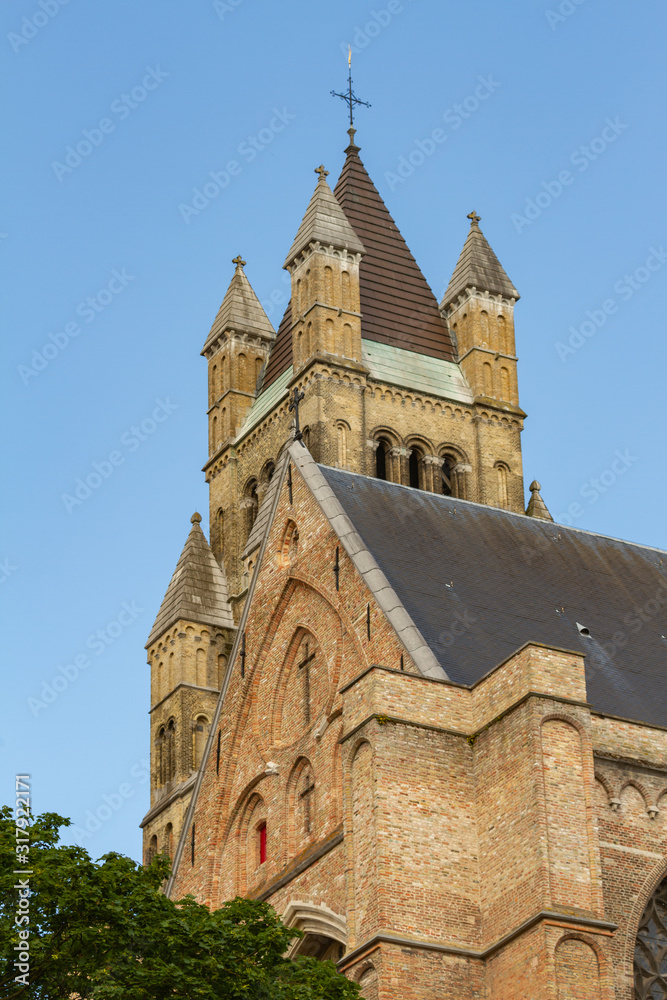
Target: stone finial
[
  {"x": 239, "y": 261},
  {"x": 536, "y": 505},
  {"x": 196, "y": 518},
  {"x": 321, "y": 171},
  {"x": 474, "y": 217}
]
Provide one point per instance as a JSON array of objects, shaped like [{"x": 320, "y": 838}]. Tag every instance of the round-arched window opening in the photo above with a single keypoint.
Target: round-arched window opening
[{"x": 381, "y": 459}]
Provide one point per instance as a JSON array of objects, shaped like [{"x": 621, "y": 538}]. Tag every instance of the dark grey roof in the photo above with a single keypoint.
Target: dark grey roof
[
  {"x": 478, "y": 267},
  {"x": 480, "y": 582},
  {"x": 197, "y": 591}
]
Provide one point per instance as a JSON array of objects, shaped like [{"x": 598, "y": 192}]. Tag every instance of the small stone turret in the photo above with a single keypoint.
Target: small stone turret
[
  {"x": 479, "y": 307},
  {"x": 188, "y": 649},
  {"x": 236, "y": 349},
  {"x": 536, "y": 505},
  {"x": 323, "y": 262}
]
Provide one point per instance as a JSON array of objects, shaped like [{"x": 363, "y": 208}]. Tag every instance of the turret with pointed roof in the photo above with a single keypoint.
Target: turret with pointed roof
[
  {"x": 188, "y": 647},
  {"x": 237, "y": 349},
  {"x": 479, "y": 308}
]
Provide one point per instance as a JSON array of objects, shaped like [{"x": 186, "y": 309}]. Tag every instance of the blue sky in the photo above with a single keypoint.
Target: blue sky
[{"x": 111, "y": 285}]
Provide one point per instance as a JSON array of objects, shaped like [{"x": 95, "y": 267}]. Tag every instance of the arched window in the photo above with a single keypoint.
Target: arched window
[
  {"x": 289, "y": 546},
  {"x": 650, "y": 966},
  {"x": 341, "y": 428},
  {"x": 160, "y": 760},
  {"x": 298, "y": 298},
  {"x": 169, "y": 840},
  {"x": 199, "y": 736},
  {"x": 243, "y": 373},
  {"x": 219, "y": 541},
  {"x": 502, "y": 336},
  {"x": 347, "y": 299},
  {"x": 261, "y": 843},
  {"x": 381, "y": 459},
  {"x": 251, "y": 504},
  {"x": 347, "y": 340},
  {"x": 214, "y": 434},
  {"x": 170, "y": 752},
  {"x": 448, "y": 476},
  {"x": 213, "y": 387},
  {"x": 200, "y": 667},
  {"x": 159, "y": 682},
  {"x": 414, "y": 462},
  {"x": 259, "y": 364},
  {"x": 484, "y": 317},
  {"x": 305, "y": 804},
  {"x": 503, "y": 495},
  {"x": 328, "y": 286},
  {"x": 488, "y": 378},
  {"x": 151, "y": 850},
  {"x": 329, "y": 340},
  {"x": 505, "y": 391}
]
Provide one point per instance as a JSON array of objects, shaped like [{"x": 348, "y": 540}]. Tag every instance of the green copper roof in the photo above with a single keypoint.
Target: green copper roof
[{"x": 415, "y": 371}]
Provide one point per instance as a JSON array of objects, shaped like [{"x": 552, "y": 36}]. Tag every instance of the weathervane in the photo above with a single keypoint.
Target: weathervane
[{"x": 350, "y": 98}]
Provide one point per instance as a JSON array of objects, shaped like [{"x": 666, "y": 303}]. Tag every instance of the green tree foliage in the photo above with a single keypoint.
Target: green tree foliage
[{"x": 104, "y": 930}]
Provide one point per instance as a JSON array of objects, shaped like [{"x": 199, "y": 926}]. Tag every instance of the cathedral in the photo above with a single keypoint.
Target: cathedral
[{"x": 425, "y": 722}]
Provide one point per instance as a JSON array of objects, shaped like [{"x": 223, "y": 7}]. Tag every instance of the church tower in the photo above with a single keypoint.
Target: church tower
[{"x": 364, "y": 339}]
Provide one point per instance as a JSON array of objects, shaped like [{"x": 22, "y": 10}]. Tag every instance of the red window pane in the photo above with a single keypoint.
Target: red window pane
[{"x": 262, "y": 843}]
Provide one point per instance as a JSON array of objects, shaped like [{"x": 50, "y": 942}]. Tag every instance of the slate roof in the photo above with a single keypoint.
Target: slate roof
[
  {"x": 398, "y": 307},
  {"x": 197, "y": 591},
  {"x": 324, "y": 222},
  {"x": 506, "y": 579},
  {"x": 478, "y": 267},
  {"x": 241, "y": 310}
]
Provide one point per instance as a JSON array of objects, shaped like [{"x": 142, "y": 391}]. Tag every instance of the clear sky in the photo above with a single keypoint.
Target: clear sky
[{"x": 552, "y": 113}]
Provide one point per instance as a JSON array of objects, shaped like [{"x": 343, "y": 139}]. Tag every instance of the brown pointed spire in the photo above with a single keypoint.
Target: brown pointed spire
[
  {"x": 397, "y": 305},
  {"x": 536, "y": 505},
  {"x": 478, "y": 267},
  {"x": 241, "y": 310}
]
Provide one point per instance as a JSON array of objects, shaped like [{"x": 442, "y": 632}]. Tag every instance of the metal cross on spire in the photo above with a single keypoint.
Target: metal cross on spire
[{"x": 350, "y": 98}]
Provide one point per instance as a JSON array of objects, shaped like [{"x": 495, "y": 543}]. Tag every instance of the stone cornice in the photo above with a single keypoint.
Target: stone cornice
[{"x": 553, "y": 917}]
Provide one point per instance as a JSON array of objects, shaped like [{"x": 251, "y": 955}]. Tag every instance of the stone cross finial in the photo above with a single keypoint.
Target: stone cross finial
[
  {"x": 474, "y": 217},
  {"x": 239, "y": 261},
  {"x": 321, "y": 171}
]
